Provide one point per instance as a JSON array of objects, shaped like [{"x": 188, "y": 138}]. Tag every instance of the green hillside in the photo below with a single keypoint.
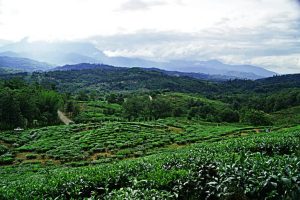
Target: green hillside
[
  {"x": 287, "y": 116},
  {"x": 136, "y": 134},
  {"x": 118, "y": 79},
  {"x": 261, "y": 165}
]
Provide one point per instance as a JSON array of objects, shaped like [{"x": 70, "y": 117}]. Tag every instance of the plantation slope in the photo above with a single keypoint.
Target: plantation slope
[
  {"x": 260, "y": 166},
  {"x": 82, "y": 144}
]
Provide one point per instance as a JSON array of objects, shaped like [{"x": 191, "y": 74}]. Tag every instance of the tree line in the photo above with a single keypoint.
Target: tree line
[{"x": 24, "y": 105}]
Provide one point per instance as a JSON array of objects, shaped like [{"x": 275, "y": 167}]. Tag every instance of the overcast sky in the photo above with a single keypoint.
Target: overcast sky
[{"x": 260, "y": 32}]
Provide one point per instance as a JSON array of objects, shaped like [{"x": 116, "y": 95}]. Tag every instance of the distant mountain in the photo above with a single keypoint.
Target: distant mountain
[
  {"x": 83, "y": 66},
  {"x": 195, "y": 75},
  {"x": 56, "y": 53},
  {"x": 21, "y": 64},
  {"x": 215, "y": 67},
  {"x": 9, "y": 54},
  {"x": 80, "y": 52}
]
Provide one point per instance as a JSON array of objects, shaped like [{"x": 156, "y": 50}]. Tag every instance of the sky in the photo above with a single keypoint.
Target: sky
[{"x": 257, "y": 32}]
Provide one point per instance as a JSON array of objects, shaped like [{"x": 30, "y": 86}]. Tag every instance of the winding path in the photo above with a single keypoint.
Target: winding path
[{"x": 64, "y": 118}]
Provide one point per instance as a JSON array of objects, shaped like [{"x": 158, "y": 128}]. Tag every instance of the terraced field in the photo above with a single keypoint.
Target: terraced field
[
  {"x": 82, "y": 144},
  {"x": 239, "y": 163}
]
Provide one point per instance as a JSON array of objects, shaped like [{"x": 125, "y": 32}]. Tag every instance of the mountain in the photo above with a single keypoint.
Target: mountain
[
  {"x": 22, "y": 64},
  {"x": 215, "y": 67},
  {"x": 62, "y": 53},
  {"x": 83, "y": 66},
  {"x": 9, "y": 54}
]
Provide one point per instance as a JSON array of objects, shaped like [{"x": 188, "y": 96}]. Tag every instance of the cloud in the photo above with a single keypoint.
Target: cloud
[
  {"x": 137, "y": 5},
  {"x": 0, "y": 7},
  {"x": 274, "y": 44},
  {"x": 256, "y": 31}
]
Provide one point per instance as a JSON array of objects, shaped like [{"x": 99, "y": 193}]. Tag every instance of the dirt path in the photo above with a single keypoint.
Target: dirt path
[
  {"x": 64, "y": 118},
  {"x": 5, "y": 144}
]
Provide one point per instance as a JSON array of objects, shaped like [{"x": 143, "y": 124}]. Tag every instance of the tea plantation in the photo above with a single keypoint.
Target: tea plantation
[
  {"x": 115, "y": 160},
  {"x": 238, "y": 142}
]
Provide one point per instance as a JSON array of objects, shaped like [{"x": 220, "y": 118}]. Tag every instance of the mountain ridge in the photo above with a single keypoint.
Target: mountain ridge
[
  {"x": 63, "y": 53},
  {"x": 22, "y": 64}
]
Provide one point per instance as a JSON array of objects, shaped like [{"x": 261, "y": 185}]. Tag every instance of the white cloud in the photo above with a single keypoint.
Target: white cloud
[
  {"x": 134, "y": 5},
  {"x": 283, "y": 64},
  {"x": 143, "y": 53},
  {"x": 265, "y": 32}
]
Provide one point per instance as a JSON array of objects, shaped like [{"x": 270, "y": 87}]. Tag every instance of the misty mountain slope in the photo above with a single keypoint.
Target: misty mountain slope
[
  {"x": 22, "y": 64},
  {"x": 217, "y": 68},
  {"x": 62, "y": 53},
  {"x": 56, "y": 53}
]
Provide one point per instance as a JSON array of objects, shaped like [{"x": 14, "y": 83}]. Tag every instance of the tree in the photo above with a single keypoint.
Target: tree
[
  {"x": 160, "y": 108},
  {"x": 256, "y": 118},
  {"x": 10, "y": 113},
  {"x": 228, "y": 115},
  {"x": 82, "y": 96}
]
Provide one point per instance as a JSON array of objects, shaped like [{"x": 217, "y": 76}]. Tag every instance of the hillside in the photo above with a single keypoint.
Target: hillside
[
  {"x": 22, "y": 64},
  {"x": 101, "y": 77},
  {"x": 107, "y": 78},
  {"x": 287, "y": 116},
  {"x": 147, "y": 161}
]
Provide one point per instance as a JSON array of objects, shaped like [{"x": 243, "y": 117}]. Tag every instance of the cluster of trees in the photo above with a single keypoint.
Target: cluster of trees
[
  {"x": 144, "y": 107},
  {"x": 72, "y": 108},
  {"x": 255, "y": 117},
  {"x": 267, "y": 103},
  {"x": 201, "y": 110},
  {"x": 154, "y": 107},
  {"x": 23, "y": 105},
  {"x": 147, "y": 107}
]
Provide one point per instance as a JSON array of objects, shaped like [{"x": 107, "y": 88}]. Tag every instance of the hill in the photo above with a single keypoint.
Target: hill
[
  {"x": 22, "y": 64},
  {"x": 107, "y": 78},
  {"x": 149, "y": 161},
  {"x": 103, "y": 77}
]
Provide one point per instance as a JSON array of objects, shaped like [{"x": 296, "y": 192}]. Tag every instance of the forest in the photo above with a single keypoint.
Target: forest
[{"x": 26, "y": 105}]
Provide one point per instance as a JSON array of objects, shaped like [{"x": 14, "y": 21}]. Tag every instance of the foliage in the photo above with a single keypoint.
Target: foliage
[
  {"x": 27, "y": 105},
  {"x": 256, "y": 118},
  {"x": 261, "y": 166}
]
